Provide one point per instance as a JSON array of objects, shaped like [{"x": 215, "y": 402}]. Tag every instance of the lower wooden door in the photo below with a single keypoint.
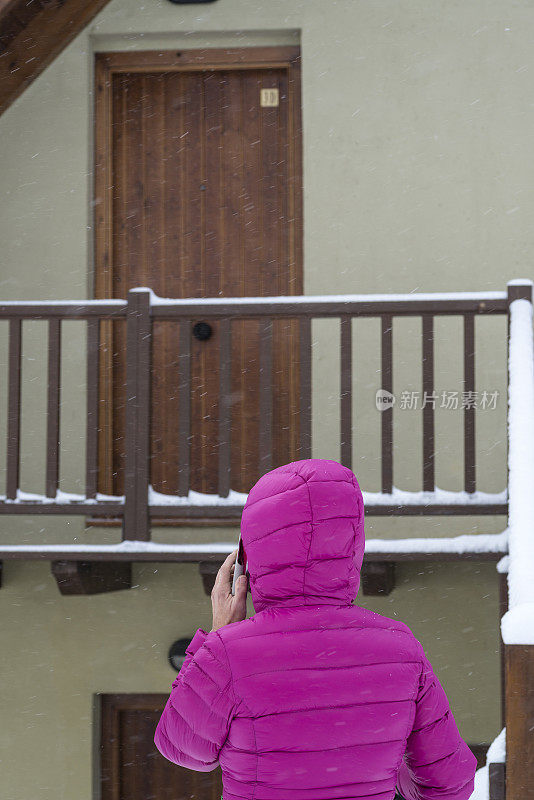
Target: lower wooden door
[{"x": 131, "y": 767}]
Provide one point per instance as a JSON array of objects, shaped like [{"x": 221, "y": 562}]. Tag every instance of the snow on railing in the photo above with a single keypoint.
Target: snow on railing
[
  {"x": 517, "y": 625},
  {"x": 399, "y": 497},
  {"x": 410, "y": 297},
  {"x": 311, "y": 299}
]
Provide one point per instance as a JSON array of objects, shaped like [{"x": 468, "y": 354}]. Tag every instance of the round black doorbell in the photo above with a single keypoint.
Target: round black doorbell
[
  {"x": 177, "y": 653},
  {"x": 202, "y": 331}
]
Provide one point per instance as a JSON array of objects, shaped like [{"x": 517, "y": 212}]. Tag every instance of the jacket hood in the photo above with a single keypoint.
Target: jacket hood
[{"x": 303, "y": 532}]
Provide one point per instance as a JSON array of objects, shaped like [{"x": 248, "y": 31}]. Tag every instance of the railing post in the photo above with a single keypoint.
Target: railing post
[
  {"x": 517, "y": 625},
  {"x": 305, "y": 384},
  {"x": 53, "y": 406},
  {"x": 266, "y": 396},
  {"x": 345, "y": 355},
  {"x": 138, "y": 368},
  {"x": 14, "y": 412},
  {"x": 386, "y": 417}
]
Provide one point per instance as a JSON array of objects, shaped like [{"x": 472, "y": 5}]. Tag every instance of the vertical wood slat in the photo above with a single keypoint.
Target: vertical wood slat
[
  {"x": 13, "y": 420},
  {"x": 184, "y": 406},
  {"x": 469, "y": 410},
  {"x": 519, "y": 659},
  {"x": 52, "y": 416},
  {"x": 91, "y": 460},
  {"x": 429, "y": 483},
  {"x": 225, "y": 375},
  {"x": 387, "y": 413},
  {"x": 305, "y": 381},
  {"x": 266, "y": 396},
  {"x": 106, "y": 178},
  {"x": 346, "y": 390},
  {"x": 138, "y": 375}
]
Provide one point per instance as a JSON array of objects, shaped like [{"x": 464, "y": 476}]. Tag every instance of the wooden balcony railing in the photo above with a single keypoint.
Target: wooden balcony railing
[{"x": 143, "y": 309}]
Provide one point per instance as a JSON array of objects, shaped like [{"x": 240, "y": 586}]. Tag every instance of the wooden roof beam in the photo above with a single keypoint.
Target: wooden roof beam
[{"x": 32, "y": 34}]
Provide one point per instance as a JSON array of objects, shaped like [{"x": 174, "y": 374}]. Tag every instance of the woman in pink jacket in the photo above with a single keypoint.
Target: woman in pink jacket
[{"x": 312, "y": 698}]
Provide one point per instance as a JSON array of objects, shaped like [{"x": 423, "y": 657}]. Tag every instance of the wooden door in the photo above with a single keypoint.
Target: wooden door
[
  {"x": 205, "y": 201},
  {"x": 131, "y": 767}
]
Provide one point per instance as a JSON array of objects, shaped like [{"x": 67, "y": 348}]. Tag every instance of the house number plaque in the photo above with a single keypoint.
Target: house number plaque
[{"x": 268, "y": 97}]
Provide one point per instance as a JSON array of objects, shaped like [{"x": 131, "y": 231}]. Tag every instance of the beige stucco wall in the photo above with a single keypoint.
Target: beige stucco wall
[
  {"x": 59, "y": 651},
  {"x": 417, "y": 174}
]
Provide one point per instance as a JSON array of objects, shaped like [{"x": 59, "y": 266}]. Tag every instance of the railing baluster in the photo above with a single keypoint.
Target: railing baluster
[
  {"x": 138, "y": 373},
  {"x": 225, "y": 375},
  {"x": 52, "y": 417},
  {"x": 184, "y": 406},
  {"x": 305, "y": 380},
  {"x": 469, "y": 410},
  {"x": 13, "y": 423},
  {"x": 266, "y": 395},
  {"x": 429, "y": 482},
  {"x": 387, "y": 413},
  {"x": 346, "y": 390},
  {"x": 91, "y": 460}
]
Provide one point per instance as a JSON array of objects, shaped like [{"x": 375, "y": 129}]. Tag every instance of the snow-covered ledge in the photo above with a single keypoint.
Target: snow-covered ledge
[{"x": 465, "y": 543}]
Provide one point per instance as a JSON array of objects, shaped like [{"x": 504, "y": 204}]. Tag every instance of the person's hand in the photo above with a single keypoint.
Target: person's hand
[{"x": 227, "y": 607}]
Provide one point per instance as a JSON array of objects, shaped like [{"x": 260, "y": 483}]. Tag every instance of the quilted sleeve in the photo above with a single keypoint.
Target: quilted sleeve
[
  {"x": 197, "y": 716},
  {"x": 437, "y": 762}
]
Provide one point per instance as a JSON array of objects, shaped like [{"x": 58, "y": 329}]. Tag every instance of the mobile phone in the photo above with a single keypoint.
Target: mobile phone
[{"x": 240, "y": 567}]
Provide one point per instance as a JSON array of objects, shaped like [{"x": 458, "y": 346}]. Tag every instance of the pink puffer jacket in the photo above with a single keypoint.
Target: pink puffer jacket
[{"x": 313, "y": 698}]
